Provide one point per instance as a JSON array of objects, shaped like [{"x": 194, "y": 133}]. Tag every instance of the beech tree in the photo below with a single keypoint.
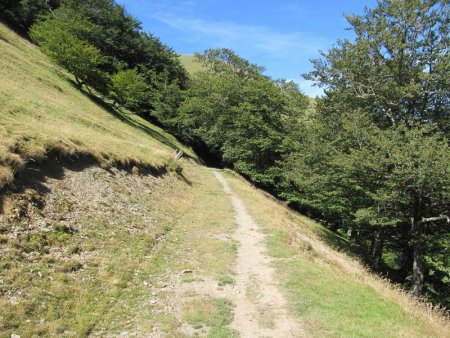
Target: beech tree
[
  {"x": 64, "y": 38},
  {"x": 239, "y": 114},
  {"x": 397, "y": 68},
  {"x": 22, "y": 14},
  {"x": 387, "y": 108}
]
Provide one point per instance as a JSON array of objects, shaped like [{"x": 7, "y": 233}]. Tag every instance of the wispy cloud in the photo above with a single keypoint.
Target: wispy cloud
[
  {"x": 234, "y": 35},
  {"x": 284, "y": 52},
  {"x": 292, "y": 9}
]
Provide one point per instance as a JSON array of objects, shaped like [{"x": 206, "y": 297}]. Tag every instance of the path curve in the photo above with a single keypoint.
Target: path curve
[{"x": 260, "y": 308}]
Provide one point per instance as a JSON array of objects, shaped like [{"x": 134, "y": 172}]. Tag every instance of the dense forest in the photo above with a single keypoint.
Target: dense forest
[{"x": 372, "y": 162}]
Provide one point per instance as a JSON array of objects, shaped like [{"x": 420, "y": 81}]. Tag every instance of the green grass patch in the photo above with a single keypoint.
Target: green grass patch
[
  {"x": 213, "y": 313},
  {"x": 333, "y": 304}
]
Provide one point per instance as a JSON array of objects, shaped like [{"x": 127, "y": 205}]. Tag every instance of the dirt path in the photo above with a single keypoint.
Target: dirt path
[{"x": 260, "y": 308}]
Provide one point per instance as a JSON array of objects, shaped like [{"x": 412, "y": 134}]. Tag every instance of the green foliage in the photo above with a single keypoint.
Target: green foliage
[
  {"x": 222, "y": 60},
  {"x": 374, "y": 160},
  {"x": 397, "y": 68},
  {"x": 61, "y": 37},
  {"x": 23, "y": 13},
  {"x": 94, "y": 39},
  {"x": 238, "y": 113},
  {"x": 119, "y": 37},
  {"x": 128, "y": 89}
]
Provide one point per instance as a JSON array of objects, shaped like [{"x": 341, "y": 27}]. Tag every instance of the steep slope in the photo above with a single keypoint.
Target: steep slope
[
  {"x": 41, "y": 111},
  {"x": 332, "y": 293},
  {"x": 91, "y": 247}
]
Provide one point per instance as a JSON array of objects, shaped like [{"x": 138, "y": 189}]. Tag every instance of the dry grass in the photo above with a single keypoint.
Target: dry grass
[
  {"x": 41, "y": 112},
  {"x": 192, "y": 66},
  {"x": 328, "y": 289}
]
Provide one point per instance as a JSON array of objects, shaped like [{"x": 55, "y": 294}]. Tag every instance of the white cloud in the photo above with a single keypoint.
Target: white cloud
[
  {"x": 283, "y": 53},
  {"x": 292, "y": 9},
  {"x": 233, "y": 35}
]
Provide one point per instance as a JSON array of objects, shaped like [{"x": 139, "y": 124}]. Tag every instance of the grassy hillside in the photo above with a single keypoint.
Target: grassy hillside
[
  {"x": 42, "y": 111},
  {"x": 188, "y": 62}
]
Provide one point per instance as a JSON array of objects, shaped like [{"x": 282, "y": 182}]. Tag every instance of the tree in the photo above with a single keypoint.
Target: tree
[
  {"x": 105, "y": 38},
  {"x": 239, "y": 114},
  {"x": 119, "y": 37},
  {"x": 388, "y": 185},
  {"x": 397, "y": 67},
  {"x": 222, "y": 60},
  {"x": 22, "y": 14},
  {"x": 61, "y": 37},
  {"x": 389, "y": 174},
  {"x": 404, "y": 173},
  {"x": 128, "y": 89}
]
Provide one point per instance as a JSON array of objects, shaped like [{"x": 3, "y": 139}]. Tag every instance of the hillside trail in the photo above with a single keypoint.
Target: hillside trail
[{"x": 260, "y": 308}]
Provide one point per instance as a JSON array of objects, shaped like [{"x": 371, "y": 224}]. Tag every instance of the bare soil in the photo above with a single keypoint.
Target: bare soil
[{"x": 260, "y": 307}]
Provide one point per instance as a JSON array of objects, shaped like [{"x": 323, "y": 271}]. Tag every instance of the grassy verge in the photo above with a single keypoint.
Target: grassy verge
[
  {"x": 42, "y": 112},
  {"x": 107, "y": 267},
  {"x": 195, "y": 244},
  {"x": 331, "y": 293}
]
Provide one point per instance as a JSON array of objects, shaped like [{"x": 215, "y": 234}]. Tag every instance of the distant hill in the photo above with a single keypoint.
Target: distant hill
[{"x": 188, "y": 61}]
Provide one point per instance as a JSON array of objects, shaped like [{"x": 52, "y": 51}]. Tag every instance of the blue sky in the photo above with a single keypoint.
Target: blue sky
[{"x": 279, "y": 35}]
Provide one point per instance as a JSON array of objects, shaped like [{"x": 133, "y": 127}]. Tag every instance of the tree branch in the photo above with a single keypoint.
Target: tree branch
[{"x": 433, "y": 219}]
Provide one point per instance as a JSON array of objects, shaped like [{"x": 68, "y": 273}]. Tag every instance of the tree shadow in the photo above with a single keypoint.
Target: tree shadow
[
  {"x": 123, "y": 116},
  {"x": 332, "y": 238},
  {"x": 185, "y": 179},
  {"x": 335, "y": 240},
  {"x": 37, "y": 174}
]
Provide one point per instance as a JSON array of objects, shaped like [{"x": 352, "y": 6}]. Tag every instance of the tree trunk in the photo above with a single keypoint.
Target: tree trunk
[
  {"x": 418, "y": 268},
  {"x": 377, "y": 249},
  {"x": 79, "y": 82},
  {"x": 350, "y": 233},
  {"x": 335, "y": 226}
]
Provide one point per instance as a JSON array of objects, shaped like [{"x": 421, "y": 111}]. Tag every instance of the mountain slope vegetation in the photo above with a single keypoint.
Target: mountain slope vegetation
[
  {"x": 43, "y": 112},
  {"x": 107, "y": 229},
  {"x": 372, "y": 162}
]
